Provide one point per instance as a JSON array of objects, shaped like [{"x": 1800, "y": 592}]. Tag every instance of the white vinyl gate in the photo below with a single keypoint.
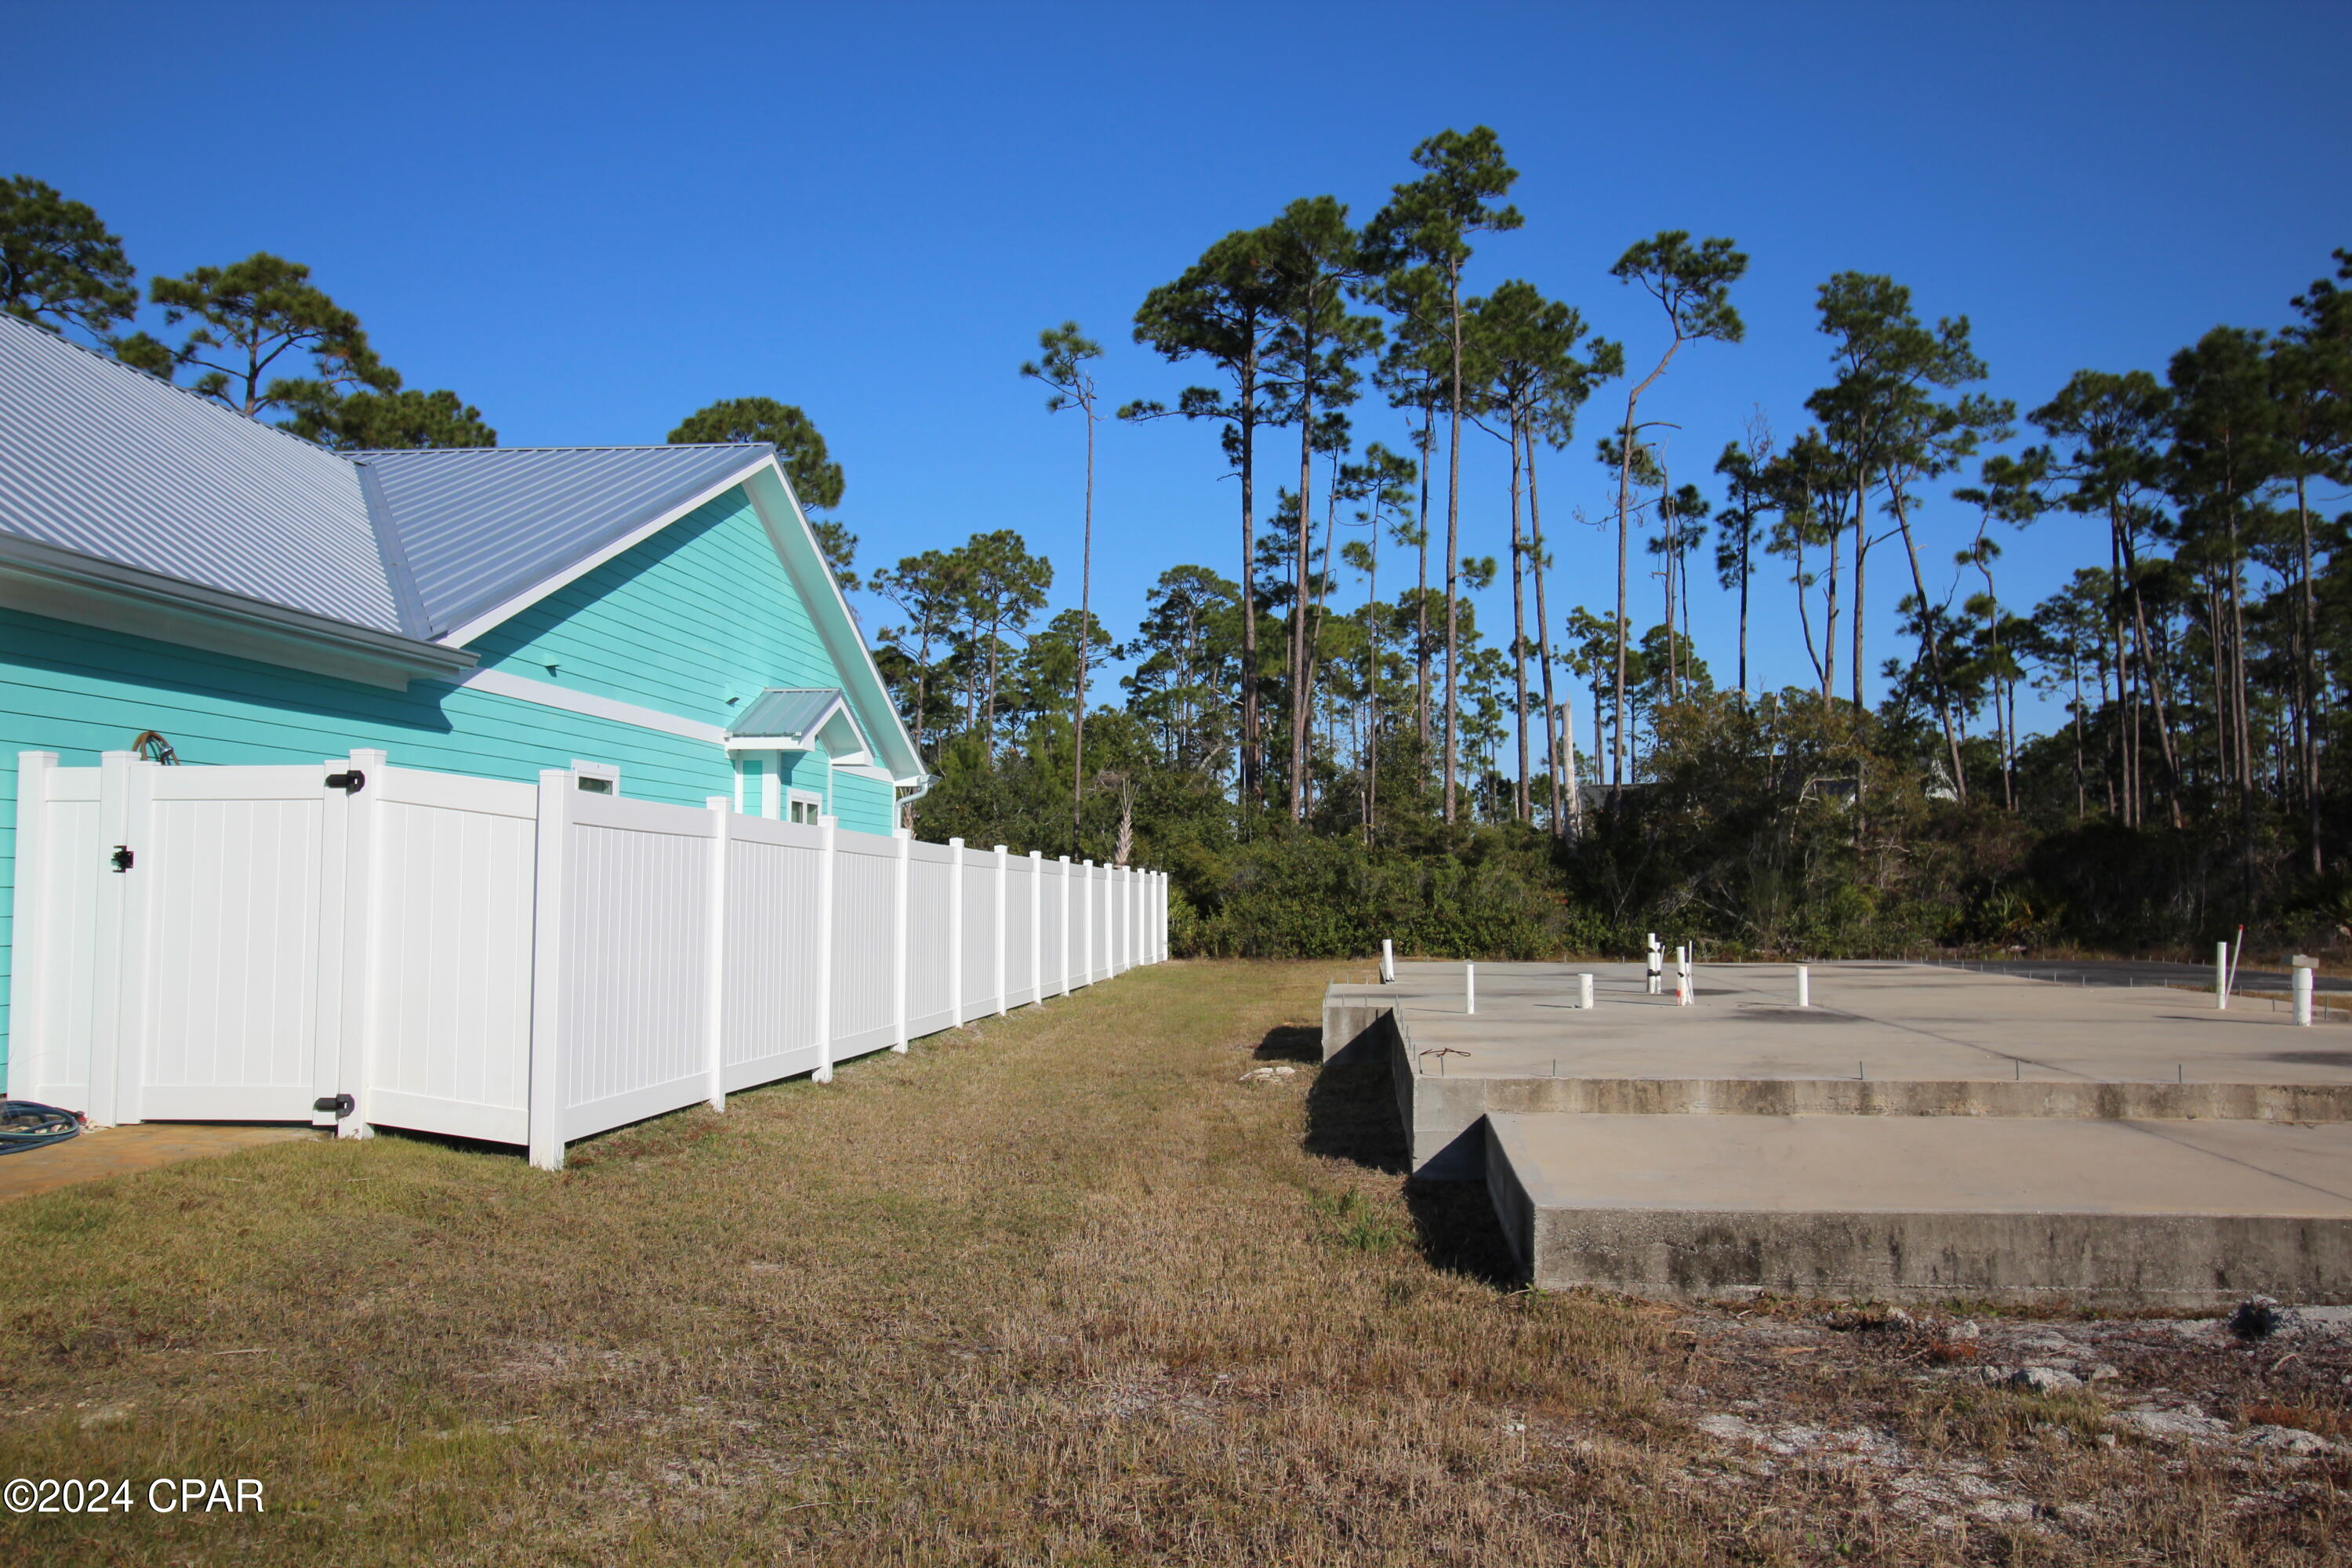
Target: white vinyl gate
[{"x": 355, "y": 944}]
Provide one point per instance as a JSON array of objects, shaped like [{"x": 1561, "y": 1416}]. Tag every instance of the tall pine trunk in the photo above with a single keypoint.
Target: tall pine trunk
[
  {"x": 1300, "y": 718},
  {"x": 1453, "y": 542},
  {"x": 1565, "y": 811},
  {"x": 1523, "y": 806},
  {"x": 1253, "y": 757},
  {"x": 1086, "y": 630}
]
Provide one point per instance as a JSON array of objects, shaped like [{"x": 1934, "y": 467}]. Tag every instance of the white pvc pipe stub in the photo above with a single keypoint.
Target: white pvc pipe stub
[
  {"x": 1469, "y": 988},
  {"x": 1804, "y": 986},
  {"x": 1584, "y": 992},
  {"x": 1388, "y": 962},
  {"x": 2222, "y": 975},
  {"x": 2303, "y": 986}
]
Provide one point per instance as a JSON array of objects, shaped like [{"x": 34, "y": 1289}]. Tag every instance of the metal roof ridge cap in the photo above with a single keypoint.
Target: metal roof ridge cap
[{"x": 406, "y": 601}]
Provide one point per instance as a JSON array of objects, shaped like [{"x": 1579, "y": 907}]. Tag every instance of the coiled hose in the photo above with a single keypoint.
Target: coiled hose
[{"x": 25, "y": 1125}]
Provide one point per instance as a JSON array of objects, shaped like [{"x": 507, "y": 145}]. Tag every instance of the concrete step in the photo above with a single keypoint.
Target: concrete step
[{"x": 2098, "y": 1212}]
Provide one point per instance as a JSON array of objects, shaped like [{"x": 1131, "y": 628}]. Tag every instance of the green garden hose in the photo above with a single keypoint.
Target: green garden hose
[{"x": 25, "y": 1125}]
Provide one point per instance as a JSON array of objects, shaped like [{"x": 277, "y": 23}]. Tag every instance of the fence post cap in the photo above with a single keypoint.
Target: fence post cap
[{"x": 2303, "y": 960}]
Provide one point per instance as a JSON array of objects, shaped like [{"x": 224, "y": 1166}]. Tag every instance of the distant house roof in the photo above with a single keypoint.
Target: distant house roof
[{"x": 110, "y": 463}]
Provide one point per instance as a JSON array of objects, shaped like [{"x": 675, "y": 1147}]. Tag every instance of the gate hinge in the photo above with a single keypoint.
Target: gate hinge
[
  {"x": 342, "y": 1105},
  {"x": 122, "y": 857},
  {"x": 349, "y": 783}
]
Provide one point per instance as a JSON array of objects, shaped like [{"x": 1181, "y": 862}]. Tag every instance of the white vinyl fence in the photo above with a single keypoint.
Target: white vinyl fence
[{"x": 356, "y": 945}]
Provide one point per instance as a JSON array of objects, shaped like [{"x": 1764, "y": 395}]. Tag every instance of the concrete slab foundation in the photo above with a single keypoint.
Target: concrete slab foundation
[
  {"x": 1918, "y": 1132},
  {"x": 1881, "y": 1039},
  {"x": 2191, "y": 1214}
]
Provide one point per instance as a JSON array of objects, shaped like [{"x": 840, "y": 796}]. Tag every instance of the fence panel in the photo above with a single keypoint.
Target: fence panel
[
  {"x": 1098, "y": 892},
  {"x": 979, "y": 933},
  {"x": 930, "y": 928},
  {"x": 1053, "y": 926},
  {"x": 53, "y": 991},
  {"x": 490, "y": 960},
  {"x": 227, "y": 883},
  {"x": 864, "y": 900},
  {"x": 444, "y": 1015},
  {"x": 635, "y": 920},
  {"x": 1020, "y": 910},
  {"x": 769, "y": 1025}
]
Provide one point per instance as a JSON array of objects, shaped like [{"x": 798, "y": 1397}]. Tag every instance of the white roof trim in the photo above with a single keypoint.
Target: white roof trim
[
  {"x": 861, "y": 679},
  {"x": 506, "y": 611},
  {"x": 547, "y": 694}
]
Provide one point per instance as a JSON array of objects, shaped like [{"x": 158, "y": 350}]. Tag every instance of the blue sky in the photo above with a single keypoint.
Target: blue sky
[{"x": 592, "y": 220}]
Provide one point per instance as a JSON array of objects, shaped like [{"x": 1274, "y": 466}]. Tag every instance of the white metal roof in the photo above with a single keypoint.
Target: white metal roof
[
  {"x": 102, "y": 460},
  {"x": 105, "y": 462},
  {"x": 786, "y": 713},
  {"x": 479, "y": 525}
]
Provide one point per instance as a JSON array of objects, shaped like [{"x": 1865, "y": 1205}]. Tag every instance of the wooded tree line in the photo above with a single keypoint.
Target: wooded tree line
[
  {"x": 1335, "y": 682},
  {"x": 1319, "y": 734}
]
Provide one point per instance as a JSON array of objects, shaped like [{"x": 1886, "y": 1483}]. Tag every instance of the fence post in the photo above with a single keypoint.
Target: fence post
[
  {"x": 1002, "y": 873},
  {"x": 1063, "y": 946},
  {"x": 905, "y": 837},
  {"x": 1036, "y": 928},
  {"x": 824, "y": 949},
  {"x": 955, "y": 933},
  {"x": 714, "y": 993},
  {"x": 355, "y": 1066},
  {"x": 546, "y": 1111},
  {"x": 118, "y": 967}
]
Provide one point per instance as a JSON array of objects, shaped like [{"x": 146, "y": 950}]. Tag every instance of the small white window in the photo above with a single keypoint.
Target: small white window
[
  {"x": 596, "y": 778},
  {"x": 806, "y": 807}
]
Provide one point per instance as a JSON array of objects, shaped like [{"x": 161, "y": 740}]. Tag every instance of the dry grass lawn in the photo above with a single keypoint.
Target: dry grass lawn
[{"x": 1059, "y": 1289}]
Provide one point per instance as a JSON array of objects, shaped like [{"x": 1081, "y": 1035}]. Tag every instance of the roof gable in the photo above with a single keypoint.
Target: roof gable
[{"x": 482, "y": 527}]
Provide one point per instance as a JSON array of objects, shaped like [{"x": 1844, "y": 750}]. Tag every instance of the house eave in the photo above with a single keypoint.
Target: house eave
[{"x": 44, "y": 580}]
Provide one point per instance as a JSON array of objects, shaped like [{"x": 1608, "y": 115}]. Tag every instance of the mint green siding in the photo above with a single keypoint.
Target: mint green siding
[
  {"x": 863, "y": 804},
  {"x": 697, "y": 614}
]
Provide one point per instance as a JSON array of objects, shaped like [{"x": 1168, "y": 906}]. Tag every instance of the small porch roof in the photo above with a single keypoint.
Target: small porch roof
[{"x": 799, "y": 719}]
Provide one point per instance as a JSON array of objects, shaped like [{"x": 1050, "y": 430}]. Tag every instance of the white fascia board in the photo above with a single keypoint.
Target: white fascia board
[
  {"x": 43, "y": 580},
  {"x": 516, "y": 606},
  {"x": 739, "y": 744},
  {"x": 547, "y": 694},
  {"x": 779, "y": 509}
]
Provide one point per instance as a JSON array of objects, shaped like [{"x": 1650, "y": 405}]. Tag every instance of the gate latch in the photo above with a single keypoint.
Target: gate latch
[
  {"x": 342, "y": 1105},
  {"x": 122, "y": 857},
  {"x": 349, "y": 783}
]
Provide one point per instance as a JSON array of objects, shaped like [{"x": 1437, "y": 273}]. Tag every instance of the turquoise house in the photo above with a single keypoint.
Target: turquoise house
[{"x": 657, "y": 617}]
